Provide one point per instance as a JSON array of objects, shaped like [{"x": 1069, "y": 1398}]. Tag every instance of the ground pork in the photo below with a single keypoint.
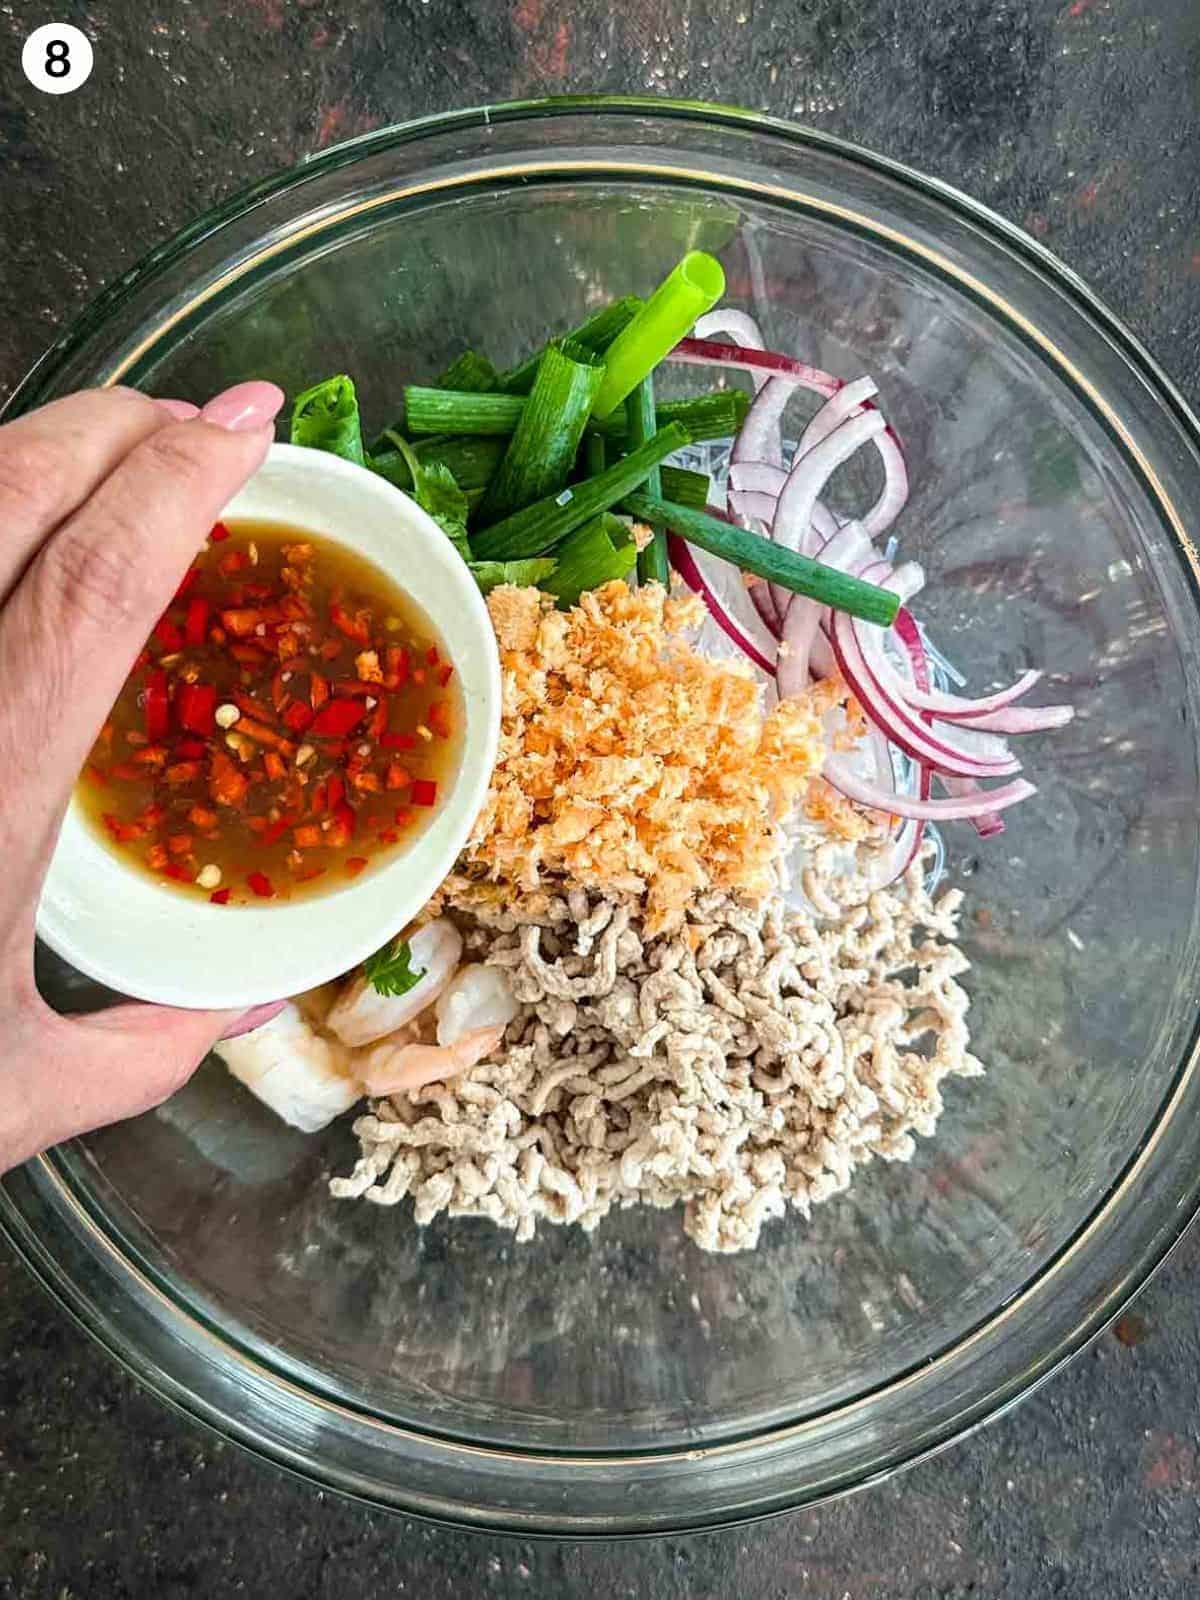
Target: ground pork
[{"x": 752, "y": 1059}]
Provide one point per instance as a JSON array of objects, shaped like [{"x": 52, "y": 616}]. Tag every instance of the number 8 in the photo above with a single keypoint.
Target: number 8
[{"x": 58, "y": 58}]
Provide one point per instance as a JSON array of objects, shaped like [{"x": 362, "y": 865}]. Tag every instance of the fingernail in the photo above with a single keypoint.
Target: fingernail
[
  {"x": 245, "y": 407},
  {"x": 181, "y": 410},
  {"x": 254, "y": 1018}
]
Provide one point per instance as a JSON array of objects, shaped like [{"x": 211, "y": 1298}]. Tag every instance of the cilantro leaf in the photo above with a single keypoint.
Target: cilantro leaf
[
  {"x": 390, "y": 971},
  {"x": 436, "y": 491},
  {"x": 525, "y": 574}
]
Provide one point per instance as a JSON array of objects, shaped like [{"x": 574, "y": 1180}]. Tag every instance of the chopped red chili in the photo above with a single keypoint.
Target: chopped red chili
[
  {"x": 168, "y": 634},
  {"x": 297, "y": 716},
  {"x": 195, "y": 707},
  {"x": 157, "y": 706},
  {"x": 195, "y": 622},
  {"x": 356, "y": 625},
  {"x": 219, "y": 533},
  {"x": 261, "y": 731},
  {"x": 337, "y": 718}
]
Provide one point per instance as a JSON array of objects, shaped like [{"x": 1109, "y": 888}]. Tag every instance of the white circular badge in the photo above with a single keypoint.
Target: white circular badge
[{"x": 57, "y": 58}]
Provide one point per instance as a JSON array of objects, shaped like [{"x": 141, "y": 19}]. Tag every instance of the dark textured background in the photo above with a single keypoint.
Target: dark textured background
[{"x": 1079, "y": 120}]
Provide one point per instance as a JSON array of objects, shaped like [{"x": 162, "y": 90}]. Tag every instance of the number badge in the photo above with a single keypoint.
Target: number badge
[{"x": 57, "y": 58}]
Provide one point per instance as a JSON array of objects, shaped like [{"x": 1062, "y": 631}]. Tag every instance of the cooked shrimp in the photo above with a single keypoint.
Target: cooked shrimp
[
  {"x": 305, "y": 1079},
  {"x": 362, "y": 1015},
  {"x": 476, "y": 997},
  {"x": 388, "y": 1070}
]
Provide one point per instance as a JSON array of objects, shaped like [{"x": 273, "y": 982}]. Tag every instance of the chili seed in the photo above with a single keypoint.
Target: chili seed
[
  {"x": 227, "y": 715},
  {"x": 305, "y": 754},
  {"x": 424, "y": 731},
  {"x": 209, "y": 877}
]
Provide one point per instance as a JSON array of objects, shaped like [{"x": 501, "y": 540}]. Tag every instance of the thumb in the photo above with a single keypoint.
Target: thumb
[{"x": 108, "y": 1065}]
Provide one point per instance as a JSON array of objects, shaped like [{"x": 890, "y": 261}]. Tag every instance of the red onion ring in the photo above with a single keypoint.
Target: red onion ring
[
  {"x": 953, "y": 809},
  {"x": 707, "y": 353},
  {"x": 848, "y": 402},
  {"x": 684, "y": 563},
  {"x": 761, "y": 433},
  {"x": 809, "y": 475},
  {"x": 889, "y": 714},
  {"x": 986, "y": 823}
]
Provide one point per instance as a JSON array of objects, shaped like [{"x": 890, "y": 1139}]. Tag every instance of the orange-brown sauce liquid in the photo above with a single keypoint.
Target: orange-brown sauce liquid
[{"x": 293, "y": 720}]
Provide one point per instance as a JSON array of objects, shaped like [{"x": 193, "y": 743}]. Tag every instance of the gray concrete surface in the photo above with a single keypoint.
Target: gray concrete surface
[{"x": 1078, "y": 120}]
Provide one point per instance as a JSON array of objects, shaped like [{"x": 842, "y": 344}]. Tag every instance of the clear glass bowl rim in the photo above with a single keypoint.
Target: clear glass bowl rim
[{"x": 19, "y": 1203}]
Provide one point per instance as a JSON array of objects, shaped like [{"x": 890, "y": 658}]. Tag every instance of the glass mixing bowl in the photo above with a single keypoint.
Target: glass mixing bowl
[{"x": 623, "y": 1381}]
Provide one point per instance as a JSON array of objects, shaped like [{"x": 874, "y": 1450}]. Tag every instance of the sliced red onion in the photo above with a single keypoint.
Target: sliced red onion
[
  {"x": 760, "y": 477},
  {"x": 1018, "y": 719},
  {"x": 845, "y": 780},
  {"x": 889, "y": 713},
  {"x": 802, "y": 618},
  {"x": 894, "y": 494},
  {"x": 707, "y": 353},
  {"x": 809, "y": 475},
  {"x": 684, "y": 563},
  {"x": 977, "y": 713},
  {"x": 907, "y": 580},
  {"x": 761, "y": 435},
  {"x": 848, "y": 402},
  {"x": 749, "y": 506},
  {"x": 801, "y": 625},
  {"x": 986, "y": 823},
  {"x": 740, "y": 327},
  {"x": 907, "y": 844},
  {"x": 824, "y": 527},
  {"x": 909, "y": 634},
  {"x": 964, "y": 739},
  {"x": 744, "y": 513},
  {"x": 848, "y": 549},
  {"x": 822, "y": 662}
]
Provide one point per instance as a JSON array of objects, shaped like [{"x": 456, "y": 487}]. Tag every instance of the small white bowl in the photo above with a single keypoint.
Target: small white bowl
[{"x": 116, "y": 924}]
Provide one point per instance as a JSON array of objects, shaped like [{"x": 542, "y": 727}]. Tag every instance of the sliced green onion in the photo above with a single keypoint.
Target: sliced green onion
[
  {"x": 541, "y": 526},
  {"x": 683, "y": 487},
  {"x": 459, "y": 411},
  {"x": 325, "y": 417},
  {"x": 693, "y": 288},
  {"x": 596, "y": 334},
  {"x": 440, "y": 410},
  {"x": 472, "y": 461},
  {"x": 598, "y": 553},
  {"x": 775, "y": 562},
  {"x": 709, "y": 416},
  {"x": 652, "y": 563},
  {"x": 469, "y": 371},
  {"x": 541, "y": 453}
]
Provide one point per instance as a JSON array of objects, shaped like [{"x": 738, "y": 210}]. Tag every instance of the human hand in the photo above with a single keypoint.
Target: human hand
[{"x": 105, "y": 498}]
